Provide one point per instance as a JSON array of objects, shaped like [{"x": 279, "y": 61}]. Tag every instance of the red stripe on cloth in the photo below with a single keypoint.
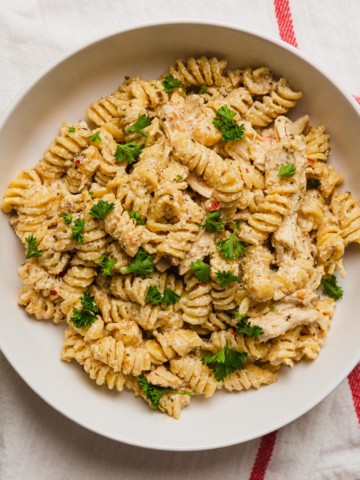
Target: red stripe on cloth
[
  {"x": 354, "y": 382},
  {"x": 357, "y": 98},
  {"x": 263, "y": 456},
  {"x": 284, "y": 20}
]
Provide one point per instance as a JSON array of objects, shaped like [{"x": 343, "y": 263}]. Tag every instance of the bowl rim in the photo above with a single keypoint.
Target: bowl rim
[{"x": 16, "y": 100}]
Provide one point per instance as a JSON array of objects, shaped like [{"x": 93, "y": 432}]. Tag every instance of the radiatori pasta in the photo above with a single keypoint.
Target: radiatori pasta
[{"x": 187, "y": 235}]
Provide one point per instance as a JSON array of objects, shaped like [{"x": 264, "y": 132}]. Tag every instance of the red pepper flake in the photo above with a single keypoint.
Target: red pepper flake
[
  {"x": 246, "y": 170},
  {"x": 233, "y": 332},
  {"x": 213, "y": 206},
  {"x": 77, "y": 161},
  {"x": 311, "y": 159},
  {"x": 53, "y": 292}
]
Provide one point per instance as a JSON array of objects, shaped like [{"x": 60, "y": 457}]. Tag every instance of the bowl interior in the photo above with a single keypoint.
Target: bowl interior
[{"x": 33, "y": 347}]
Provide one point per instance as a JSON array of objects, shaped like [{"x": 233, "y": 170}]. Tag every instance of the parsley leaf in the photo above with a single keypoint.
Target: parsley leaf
[
  {"x": 244, "y": 327},
  {"x": 154, "y": 392},
  {"x": 230, "y": 130},
  {"x": 139, "y": 219},
  {"x": 170, "y": 297},
  {"x": 202, "y": 88},
  {"x": 231, "y": 248},
  {"x": 141, "y": 265},
  {"x": 213, "y": 222},
  {"x": 101, "y": 209},
  {"x": 87, "y": 315},
  {"x": 153, "y": 295},
  {"x": 71, "y": 129},
  {"x": 169, "y": 83},
  {"x": 201, "y": 270},
  {"x": 331, "y": 288},
  {"x": 287, "y": 170},
  {"x": 225, "y": 113},
  {"x": 142, "y": 121},
  {"x": 32, "y": 250},
  {"x": 225, "y": 278},
  {"x": 179, "y": 178},
  {"x": 225, "y": 362},
  {"x": 129, "y": 152},
  {"x": 312, "y": 183},
  {"x": 95, "y": 137},
  {"x": 106, "y": 265},
  {"x": 67, "y": 218},
  {"x": 77, "y": 230}
]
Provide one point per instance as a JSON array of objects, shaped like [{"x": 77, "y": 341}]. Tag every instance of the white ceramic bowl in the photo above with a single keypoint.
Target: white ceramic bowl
[{"x": 63, "y": 93}]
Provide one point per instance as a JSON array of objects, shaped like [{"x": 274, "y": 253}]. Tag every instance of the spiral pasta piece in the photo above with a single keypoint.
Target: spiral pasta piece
[
  {"x": 311, "y": 210},
  {"x": 98, "y": 371},
  {"x": 131, "y": 236},
  {"x": 197, "y": 375},
  {"x": 59, "y": 155},
  {"x": 258, "y": 81},
  {"x": 317, "y": 143},
  {"x": 347, "y": 210},
  {"x": 330, "y": 243},
  {"x": 76, "y": 280},
  {"x": 199, "y": 71},
  {"x": 251, "y": 376},
  {"x": 35, "y": 303},
  {"x": 18, "y": 188},
  {"x": 278, "y": 102},
  {"x": 196, "y": 303},
  {"x": 129, "y": 360}
]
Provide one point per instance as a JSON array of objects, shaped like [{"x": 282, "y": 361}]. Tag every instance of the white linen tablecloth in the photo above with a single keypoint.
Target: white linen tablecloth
[{"x": 36, "y": 442}]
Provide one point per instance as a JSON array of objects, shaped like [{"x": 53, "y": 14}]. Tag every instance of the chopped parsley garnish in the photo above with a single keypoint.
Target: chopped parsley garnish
[
  {"x": 213, "y": 222},
  {"x": 287, "y": 170},
  {"x": 170, "y": 297},
  {"x": 202, "y": 88},
  {"x": 101, "y": 209},
  {"x": 331, "y": 288},
  {"x": 230, "y": 130},
  {"x": 106, "y": 265},
  {"x": 231, "y": 248},
  {"x": 67, "y": 218},
  {"x": 32, "y": 250},
  {"x": 312, "y": 183},
  {"x": 245, "y": 328},
  {"x": 139, "y": 219},
  {"x": 77, "y": 230},
  {"x": 226, "y": 278},
  {"x": 71, "y": 129},
  {"x": 141, "y": 265},
  {"x": 154, "y": 393},
  {"x": 95, "y": 137},
  {"x": 87, "y": 314},
  {"x": 154, "y": 296},
  {"x": 179, "y": 178},
  {"x": 169, "y": 83},
  {"x": 225, "y": 362},
  {"x": 129, "y": 152},
  {"x": 201, "y": 270},
  {"x": 142, "y": 122}
]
